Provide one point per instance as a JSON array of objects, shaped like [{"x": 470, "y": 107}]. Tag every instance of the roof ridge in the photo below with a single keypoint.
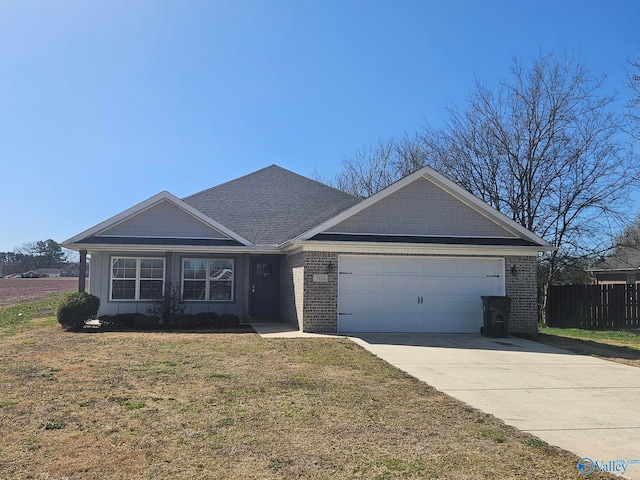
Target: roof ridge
[
  {"x": 273, "y": 165},
  {"x": 230, "y": 181}
]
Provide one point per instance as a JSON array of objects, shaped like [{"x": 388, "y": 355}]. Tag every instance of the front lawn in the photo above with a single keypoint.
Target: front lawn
[
  {"x": 134, "y": 405},
  {"x": 621, "y": 346}
]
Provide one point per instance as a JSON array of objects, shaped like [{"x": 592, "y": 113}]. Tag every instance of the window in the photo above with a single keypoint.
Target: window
[
  {"x": 137, "y": 278},
  {"x": 207, "y": 279}
]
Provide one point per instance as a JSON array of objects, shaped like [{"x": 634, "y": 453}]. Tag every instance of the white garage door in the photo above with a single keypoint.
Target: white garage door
[{"x": 413, "y": 294}]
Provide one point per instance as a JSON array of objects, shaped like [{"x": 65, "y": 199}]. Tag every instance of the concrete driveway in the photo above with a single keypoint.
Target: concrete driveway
[{"x": 582, "y": 404}]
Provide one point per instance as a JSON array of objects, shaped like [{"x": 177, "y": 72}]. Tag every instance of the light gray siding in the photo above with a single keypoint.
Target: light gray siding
[
  {"x": 164, "y": 219},
  {"x": 421, "y": 208},
  {"x": 100, "y": 278}
]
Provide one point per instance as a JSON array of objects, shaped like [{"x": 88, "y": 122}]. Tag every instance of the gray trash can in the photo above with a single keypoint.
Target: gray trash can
[{"x": 495, "y": 316}]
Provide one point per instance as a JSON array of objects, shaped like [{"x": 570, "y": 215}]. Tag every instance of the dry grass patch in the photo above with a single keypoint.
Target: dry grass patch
[{"x": 178, "y": 406}]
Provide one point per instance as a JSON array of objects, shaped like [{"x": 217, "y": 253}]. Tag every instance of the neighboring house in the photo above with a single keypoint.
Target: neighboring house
[
  {"x": 42, "y": 273},
  {"x": 623, "y": 267},
  {"x": 71, "y": 270},
  {"x": 415, "y": 257}
]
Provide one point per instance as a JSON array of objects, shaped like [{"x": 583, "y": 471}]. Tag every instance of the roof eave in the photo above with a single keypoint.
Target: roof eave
[
  {"x": 431, "y": 248},
  {"x": 105, "y": 247}
]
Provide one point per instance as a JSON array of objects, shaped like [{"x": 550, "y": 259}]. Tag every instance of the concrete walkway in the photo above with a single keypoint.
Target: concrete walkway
[
  {"x": 587, "y": 406},
  {"x": 277, "y": 329}
]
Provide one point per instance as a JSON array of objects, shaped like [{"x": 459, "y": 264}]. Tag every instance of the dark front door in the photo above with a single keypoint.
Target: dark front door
[{"x": 264, "y": 286}]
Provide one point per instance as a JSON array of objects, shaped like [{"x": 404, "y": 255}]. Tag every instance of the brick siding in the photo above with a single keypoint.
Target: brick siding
[
  {"x": 313, "y": 306},
  {"x": 521, "y": 279}
]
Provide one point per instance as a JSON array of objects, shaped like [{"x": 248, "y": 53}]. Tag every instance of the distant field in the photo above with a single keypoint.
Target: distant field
[{"x": 14, "y": 291}]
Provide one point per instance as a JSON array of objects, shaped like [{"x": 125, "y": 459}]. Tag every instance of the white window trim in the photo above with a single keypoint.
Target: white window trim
[
  {"x": 207, "y": 278},
  {"x": 137, "y": 279}
]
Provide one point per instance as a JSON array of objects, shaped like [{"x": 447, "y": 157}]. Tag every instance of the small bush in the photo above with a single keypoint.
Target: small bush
[
  {"x": 226, "y": 320},
  {"x": 120, "y": 320},
  {"x": 146, "y": 322},
  {"x": 76, "y": 308},
  {"x": 181, "y": 321},
  {"x": 205, "y": 319},
  {"x": 168, "y": 306}
]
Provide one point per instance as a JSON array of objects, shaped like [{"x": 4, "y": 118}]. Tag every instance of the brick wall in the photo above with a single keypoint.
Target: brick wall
[
  {"x": 521, "y": 279},
  {"x": 320, "y": 310},
  {"x": 313, "y": 306}
]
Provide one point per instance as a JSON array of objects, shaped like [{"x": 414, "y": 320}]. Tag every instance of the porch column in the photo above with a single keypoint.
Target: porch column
[
  {"x": 167, "y": 274},
  {"x": 82, "y": 274}
]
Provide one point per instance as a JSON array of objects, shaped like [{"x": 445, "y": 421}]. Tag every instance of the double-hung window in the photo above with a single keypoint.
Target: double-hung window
[
  {"x": 137, "y": 278},
  {"x": 207, "y": 279}
]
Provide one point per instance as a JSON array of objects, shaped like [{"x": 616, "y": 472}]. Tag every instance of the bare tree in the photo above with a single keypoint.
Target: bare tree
[
  {"x": 368, "y": 171},
  {"x": 545, "y": 150},
  {"x": 633, "y": 107},
  {"x": 375, "y": 167}
]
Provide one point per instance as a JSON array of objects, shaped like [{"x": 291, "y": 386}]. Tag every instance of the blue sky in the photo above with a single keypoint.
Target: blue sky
[{"x": 106, "y": 103}]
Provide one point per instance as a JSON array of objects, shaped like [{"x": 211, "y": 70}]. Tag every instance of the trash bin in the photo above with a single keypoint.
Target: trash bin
[{"x": 495, "y": 316}]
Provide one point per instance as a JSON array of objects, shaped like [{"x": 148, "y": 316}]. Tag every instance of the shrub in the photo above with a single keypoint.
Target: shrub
[
  {"x": 226, "y": 320},
  {"x": 119, "y": 320},
  {"x": 168, "y": 306},
  {"x": 205, "y": 319},
  {"x": 75, "y": 309},
  {"x": 146, "y": 322}
]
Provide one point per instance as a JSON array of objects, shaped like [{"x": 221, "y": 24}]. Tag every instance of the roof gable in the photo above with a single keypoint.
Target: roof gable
[
  {"x": 425, "y": 203},
  {"x": 421, "y": 208},
  {"x": 163, "y": 219},
  {"x": 271, "y": 205},
  {"x": 161, "y": 216}
]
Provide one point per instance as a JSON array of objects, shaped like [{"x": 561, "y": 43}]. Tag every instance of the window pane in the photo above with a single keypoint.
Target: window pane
[
  {"x": 150, "y": 289},
  {"x": 195, "y": 269},
  {"x": 151, "y": 268},
  {"x": 220, "y": 291},
  {"x": 194, "y": 290},
  {"x": 221, "y": 270},
  {"x": 123, "y": 290},
  {"x": 124, "y": 268}
]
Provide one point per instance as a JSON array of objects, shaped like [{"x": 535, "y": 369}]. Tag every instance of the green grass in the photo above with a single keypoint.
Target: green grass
[
  {"x": 629, "y": 338},
  {"x": 621, "y": 346},
  {"x": 19, "y": 318}
]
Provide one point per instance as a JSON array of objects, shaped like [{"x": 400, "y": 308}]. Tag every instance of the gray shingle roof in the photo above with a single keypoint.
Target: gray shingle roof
[
  {"x": 625, "y": 258},
  {"x": 272, "y": 205}
]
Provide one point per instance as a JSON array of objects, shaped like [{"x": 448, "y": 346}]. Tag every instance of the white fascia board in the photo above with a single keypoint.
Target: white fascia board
[
  {"x": 96, "y": 247},
  {"x": 443, "y": 182},
  {"x": 411, "y": 248},
  {"x": 148, "y": 203}
]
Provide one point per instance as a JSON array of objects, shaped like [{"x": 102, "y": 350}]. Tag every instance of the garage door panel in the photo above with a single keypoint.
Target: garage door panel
[{"x": 411, "y": 294}]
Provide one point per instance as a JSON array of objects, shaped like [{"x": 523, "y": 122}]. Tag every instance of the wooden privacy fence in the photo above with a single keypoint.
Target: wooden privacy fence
[{"x": 594, "y": 307}]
